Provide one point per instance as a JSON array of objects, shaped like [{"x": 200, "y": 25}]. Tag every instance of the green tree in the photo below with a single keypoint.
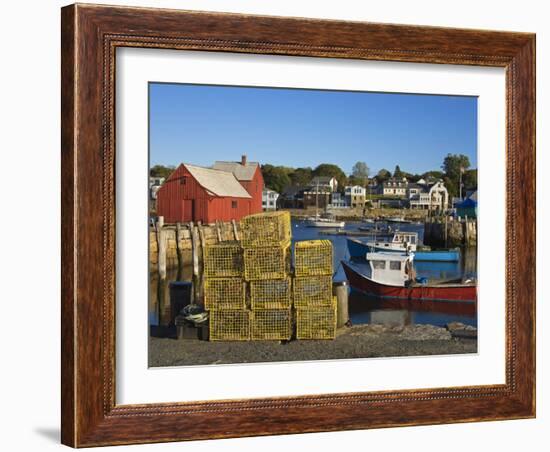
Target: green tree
[
  {"x": 161, "y": 171},
  {"x": 434, "y": 174},
  {"x": 383, "y": 175},
  {"x": 329, "y": 169},
  {"x": 397, "y": 172},
  {"x": 469, "y": 179},
  {"x": 352, "y": 180},
  {"x": 452, "y": 186},
  {"x": 301, "y": 177},
  {"x": 454, "y": 165},
  {"x": 411, "y": 177},
  {"x": 276, "y": 177},
  {"x": 360, "y": 172}
]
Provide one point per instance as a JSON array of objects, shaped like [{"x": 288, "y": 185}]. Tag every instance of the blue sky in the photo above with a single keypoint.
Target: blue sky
[{"x": 201, "y": 123}]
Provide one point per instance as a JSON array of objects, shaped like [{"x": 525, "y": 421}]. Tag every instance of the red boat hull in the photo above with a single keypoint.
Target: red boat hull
[{"x": 451, "y": 293}]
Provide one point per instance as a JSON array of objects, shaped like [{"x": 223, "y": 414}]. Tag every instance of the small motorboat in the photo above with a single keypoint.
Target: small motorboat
[
  {"x": 391, "y": 275},
  {"x": 377, "y": 229}
]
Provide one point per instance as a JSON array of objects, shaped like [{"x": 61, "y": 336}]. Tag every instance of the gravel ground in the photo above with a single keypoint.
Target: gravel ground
[{"x": 363, "y": 341}]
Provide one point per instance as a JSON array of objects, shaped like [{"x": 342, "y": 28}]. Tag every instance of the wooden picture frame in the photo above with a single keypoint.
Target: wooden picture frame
[{"x": 90, "y": 36}]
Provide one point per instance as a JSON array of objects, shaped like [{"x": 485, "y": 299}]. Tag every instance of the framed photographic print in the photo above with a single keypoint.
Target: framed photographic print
[{"x": 281, "y": 225}]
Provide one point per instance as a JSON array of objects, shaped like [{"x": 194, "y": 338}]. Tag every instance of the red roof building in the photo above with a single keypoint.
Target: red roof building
[
  {"x": 194, "y": 193},
  {"x": 249, "y": 175}
]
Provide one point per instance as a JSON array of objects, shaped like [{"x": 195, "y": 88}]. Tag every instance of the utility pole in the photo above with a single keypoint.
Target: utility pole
[{"x": 460, "y": 183}]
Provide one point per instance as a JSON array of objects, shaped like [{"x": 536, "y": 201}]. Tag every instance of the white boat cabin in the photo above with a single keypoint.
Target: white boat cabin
[
  {"x": 401, "y": 241},
  {"x": 390, "y": 268}
]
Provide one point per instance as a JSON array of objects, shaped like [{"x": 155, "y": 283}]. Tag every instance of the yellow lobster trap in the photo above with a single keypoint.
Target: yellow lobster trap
[
  {"x": 265, "y": 229},
  {"x": 271, "y": 325},
  {"x": 270, "y": 294},
  {"x": 311, "y": 291},
  {"x": 224, "y": 293},
  {"x": 268, "y": 262},
  {"x": 316, "y": 322},
  {"x": 223, "y": 260},
  {"x": 313, "y": 257},
  {"x": 229, "y": 325}
]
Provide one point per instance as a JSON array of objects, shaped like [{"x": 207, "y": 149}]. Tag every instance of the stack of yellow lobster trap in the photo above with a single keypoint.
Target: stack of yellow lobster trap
[
  {"x": 248, "y": 288},
  {"x": 313, "y": 300}
]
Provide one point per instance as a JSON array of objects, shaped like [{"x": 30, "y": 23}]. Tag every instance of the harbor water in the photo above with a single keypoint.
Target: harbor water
[{"x": 362, "y": 308}]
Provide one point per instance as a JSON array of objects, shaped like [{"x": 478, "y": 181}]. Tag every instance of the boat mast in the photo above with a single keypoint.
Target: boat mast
[{"x": 317, "y": 200}]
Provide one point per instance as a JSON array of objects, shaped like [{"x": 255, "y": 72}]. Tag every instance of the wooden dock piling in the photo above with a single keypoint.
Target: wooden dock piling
[{"x": 161, "y": 241}]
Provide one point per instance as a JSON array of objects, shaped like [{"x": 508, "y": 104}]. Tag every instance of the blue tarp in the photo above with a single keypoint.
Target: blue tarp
[{"x": 467, "y": 203}]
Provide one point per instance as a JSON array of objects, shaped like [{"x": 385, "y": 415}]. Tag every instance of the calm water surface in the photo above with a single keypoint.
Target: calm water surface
[{"x": 362, "y": 309}]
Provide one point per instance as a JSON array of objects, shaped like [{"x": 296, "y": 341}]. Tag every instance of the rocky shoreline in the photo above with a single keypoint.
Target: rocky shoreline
[{"x": 361, "y": 341}]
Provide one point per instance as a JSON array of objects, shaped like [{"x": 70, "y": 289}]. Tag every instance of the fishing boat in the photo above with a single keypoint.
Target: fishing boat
[
  {"x": 391, "y": 275},
  {"x": 359, "y": 249},
  {"x": 400, "y": 242}
]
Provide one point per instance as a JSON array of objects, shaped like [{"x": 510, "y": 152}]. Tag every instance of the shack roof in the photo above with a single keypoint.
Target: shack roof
[
  {"x": 217, "y": 182},
  {"x": 241, "y": 172}
]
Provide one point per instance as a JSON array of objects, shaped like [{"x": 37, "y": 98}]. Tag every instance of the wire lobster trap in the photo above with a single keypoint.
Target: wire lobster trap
[
  {"x": 312, "y": 291},
  {"x": 229, "y": 325},
  {"x": 223, "y": 260},
  {"x": 316, "y": 322},
  {"x": 224, "y": 293},
  {"x": 313, "y": 257},
  {"x": 271, "y": 325},
  {"x": 265, "y": 229},
  {"x": 270, "y": 294},
  {"x": 268, "y": 262}
]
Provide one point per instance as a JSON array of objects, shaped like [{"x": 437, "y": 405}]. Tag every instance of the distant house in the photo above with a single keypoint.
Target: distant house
[
  {"x": 355, "y": 195},
  {"x": 249, "y": 175},
  {"x": 194, "y": 193},
  {"x": 338, "y": 200},
  {"x": 154, "y": 185},
  {"x": 394, "y": 186},
  {"x": 428, "y": 196},
  {"x": 372, "y": 186},
  {"x": 269, "y": 199},
  {"x": 292, "y": 198},
  {"x": 326, "y": 183},
  {"x": 155, "y": 180},
  {"x": 317, "y": 197}
]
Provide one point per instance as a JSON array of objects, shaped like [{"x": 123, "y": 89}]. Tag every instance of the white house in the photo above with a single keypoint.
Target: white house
[
  {"x": 155, "y": 180},
  {"x": 337, "y": 200},
  {"x": 154, "y": 185},
  {"x": 355, "y": 195},
  {"x": 428, "y": 196},
  {"x": 394, "y": 187},
  {"x": 269, "y": 199},
  {"x": 324, "y": 183}
]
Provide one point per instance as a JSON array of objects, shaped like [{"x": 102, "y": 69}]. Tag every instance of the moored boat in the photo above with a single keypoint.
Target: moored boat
[
  {"x": 452, "y": 255},
  {"x": 400, "y": 242},
  {"x": 389, "y": 275},
  {"x": 319, "y": 222},
  {"x": 359, "y": 249},
  {"x": 397, "y": 220}
]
